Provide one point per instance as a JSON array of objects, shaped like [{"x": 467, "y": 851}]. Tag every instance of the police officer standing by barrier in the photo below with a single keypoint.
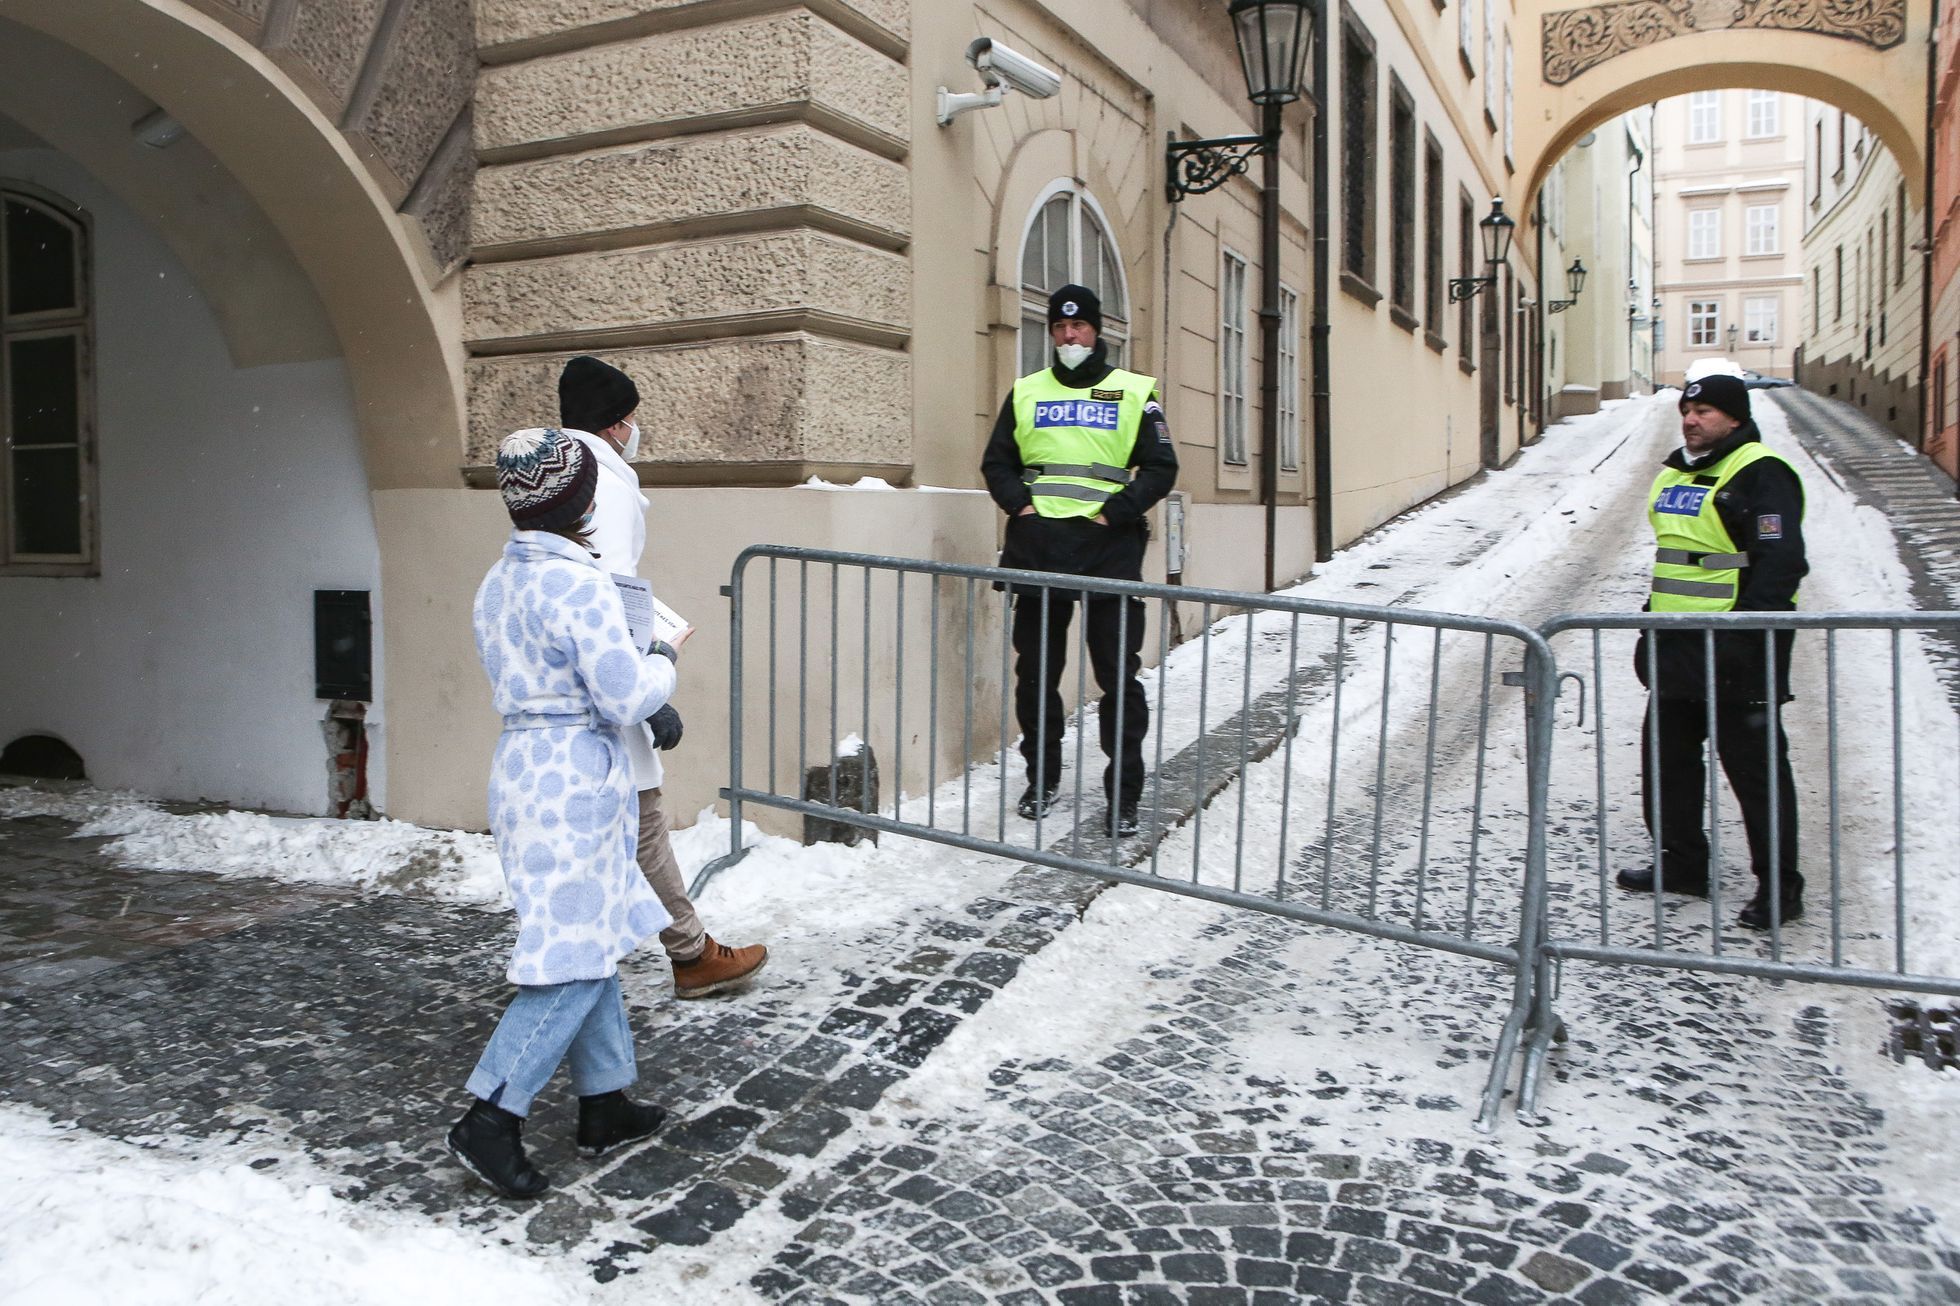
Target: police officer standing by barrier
[
  {"x": 1727, "y": 514},
  {"x": 1059, "y": 465}
]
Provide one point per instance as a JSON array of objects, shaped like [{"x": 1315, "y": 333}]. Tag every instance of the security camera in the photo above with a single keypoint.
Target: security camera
[
  {"x": 997, "y": 63},
  {"x": 1002, "y": 69}
]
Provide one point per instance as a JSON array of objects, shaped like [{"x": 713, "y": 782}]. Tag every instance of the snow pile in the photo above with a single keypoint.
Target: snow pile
[{"x": 89, "y": 1220}]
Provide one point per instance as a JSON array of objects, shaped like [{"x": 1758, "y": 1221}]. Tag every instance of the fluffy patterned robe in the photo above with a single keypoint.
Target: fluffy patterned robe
[{"x": 563, "y": 806}]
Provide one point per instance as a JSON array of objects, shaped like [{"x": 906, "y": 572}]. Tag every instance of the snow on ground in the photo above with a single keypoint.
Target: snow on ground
[
  {"x": 88, "y": 1221},
  {"x": 1552, "y": 533}
]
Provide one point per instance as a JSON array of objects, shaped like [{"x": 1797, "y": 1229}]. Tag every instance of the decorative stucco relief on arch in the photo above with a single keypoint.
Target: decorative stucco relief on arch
[{"x": 1578, "y": 39}]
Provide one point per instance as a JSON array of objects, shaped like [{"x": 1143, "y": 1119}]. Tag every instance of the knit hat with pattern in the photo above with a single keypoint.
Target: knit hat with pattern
[{"x": 547, "y": 477}]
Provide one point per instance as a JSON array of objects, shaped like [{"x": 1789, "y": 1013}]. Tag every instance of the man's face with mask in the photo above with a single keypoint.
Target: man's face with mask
[
  {"x": 623, "y": 436},
  {"x": 1074, "y": 340}
]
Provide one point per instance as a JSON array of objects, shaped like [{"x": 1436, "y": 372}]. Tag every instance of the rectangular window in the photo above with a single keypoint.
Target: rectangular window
[
  {"x": 1759, "y": 319},
  {"x": 1841, "y": 151},
  {"x": 1402, "y": 201},
  {"x": 1357, "y": 150},
  {"x": 1289, "y": 380},
  {"x": 1704, "y": 316},
  {"x": 1705, "y": 233},
  {"x": 1760, "y": 221},
  {"x": 1899, "y": 273},
  {"x": 1432, "y": 236},
  {"x": 1466, "y": 34},
  {"x": 1704, "y": 117},
  {"x": 47, "y": 523},
  {"x": 1817, "y": 160},
  {"x": 1510, "y": 78},
  {"x": 1507, "y": 326},
  {"x": 1466, "y": 266},
  {"x": 1816, "y": 298},
  {"x": 1231, "y": 360},
  {"x": 1838, "y": 315},
  {"x": 1491, "y": 71},
  {"x": 1764, "y": 118}
]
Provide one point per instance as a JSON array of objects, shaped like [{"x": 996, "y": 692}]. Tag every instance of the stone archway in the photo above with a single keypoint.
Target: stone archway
[
  {"x": 368, "y": 255},
  {"x": 1589, "y": 64}
]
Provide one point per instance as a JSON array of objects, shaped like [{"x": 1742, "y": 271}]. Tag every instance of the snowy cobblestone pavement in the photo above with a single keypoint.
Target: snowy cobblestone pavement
[{"x": 964, "y": 1082}]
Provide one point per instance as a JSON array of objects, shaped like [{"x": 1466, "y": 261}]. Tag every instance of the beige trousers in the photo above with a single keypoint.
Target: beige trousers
[{"x": 685, "y": 938}]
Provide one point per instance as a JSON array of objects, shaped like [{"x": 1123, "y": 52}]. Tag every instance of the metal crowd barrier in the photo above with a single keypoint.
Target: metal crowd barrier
[
  {"x": 1885, "y": 819},
  {"x": 1308, "y": 705},
  {"x": 1357, "y": 745}
]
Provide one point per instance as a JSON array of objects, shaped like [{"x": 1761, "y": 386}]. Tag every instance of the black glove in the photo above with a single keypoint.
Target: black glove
[{"x": 666, "y": 727}]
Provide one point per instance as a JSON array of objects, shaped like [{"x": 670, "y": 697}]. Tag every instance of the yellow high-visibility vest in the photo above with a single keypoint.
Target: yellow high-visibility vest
[
  {"x": 1696, "y": 565},
  {"x": 1077, "y": 444}
]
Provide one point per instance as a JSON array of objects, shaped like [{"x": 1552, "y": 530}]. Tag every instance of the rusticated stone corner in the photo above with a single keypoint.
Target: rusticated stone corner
[
  {"x": 781, "y": 400},
  {"x": 696, "y": 282},
  {"x": 324, "y": 44},
  {"x": 635, "y": 89},
  {"x": 429, "y": 75},
  {"x": 690, "y": 179}
]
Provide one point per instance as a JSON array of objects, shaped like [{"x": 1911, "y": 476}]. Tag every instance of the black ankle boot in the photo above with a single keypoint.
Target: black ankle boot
[
  {"x": 489, "y": 1143},
  {"x": 610, "y": 1120}
]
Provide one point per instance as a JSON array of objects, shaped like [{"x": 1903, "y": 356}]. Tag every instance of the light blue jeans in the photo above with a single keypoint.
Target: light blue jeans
[{"x": 583, "y": 1023}]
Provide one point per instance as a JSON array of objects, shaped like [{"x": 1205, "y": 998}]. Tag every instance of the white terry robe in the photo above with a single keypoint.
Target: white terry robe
[{"x": 564, "y": 809}]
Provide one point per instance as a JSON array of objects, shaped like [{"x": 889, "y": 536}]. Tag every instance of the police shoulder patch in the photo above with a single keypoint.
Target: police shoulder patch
[
  {"x": 1115, "y": 395},
  {"x": 1769, "y": 526}
]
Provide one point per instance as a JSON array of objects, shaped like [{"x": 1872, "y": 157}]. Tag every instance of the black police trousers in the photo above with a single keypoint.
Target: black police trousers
[
  {"x": 1038, "y": 678},
  {"x": 1743, "y": 747}
]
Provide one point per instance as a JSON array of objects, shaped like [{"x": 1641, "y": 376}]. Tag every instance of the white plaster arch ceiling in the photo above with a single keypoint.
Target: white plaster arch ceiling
[{"x": 390, "y": 306}]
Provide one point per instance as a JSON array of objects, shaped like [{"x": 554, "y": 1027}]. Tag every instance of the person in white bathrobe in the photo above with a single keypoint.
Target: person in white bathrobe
[
  {"x": 596, "y": 403},
  {"x": 568, "y": 680}
]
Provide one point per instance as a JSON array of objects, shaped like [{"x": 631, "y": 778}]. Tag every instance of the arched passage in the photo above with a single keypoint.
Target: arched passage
[{"x": 376, "y": 284}]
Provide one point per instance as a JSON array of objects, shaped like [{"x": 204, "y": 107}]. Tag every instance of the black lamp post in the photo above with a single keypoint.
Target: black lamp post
[
  {"x": 1274, "y": 38},
  {"x": 1495, "y": 232},
  {"x": 1575, "y": 281}
]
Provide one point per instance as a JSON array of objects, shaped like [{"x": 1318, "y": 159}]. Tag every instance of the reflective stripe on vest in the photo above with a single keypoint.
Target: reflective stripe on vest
[
  {"x": 1077, "y": 444},
  {"x": 1696, "y": 566}
]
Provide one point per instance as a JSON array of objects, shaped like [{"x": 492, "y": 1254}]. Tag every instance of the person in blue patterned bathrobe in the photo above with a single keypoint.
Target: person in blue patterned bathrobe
[{"x": 566, "y": 676}]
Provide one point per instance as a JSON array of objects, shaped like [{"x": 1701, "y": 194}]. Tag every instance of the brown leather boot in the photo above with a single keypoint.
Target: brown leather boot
[{"x": 719, "y": 969}]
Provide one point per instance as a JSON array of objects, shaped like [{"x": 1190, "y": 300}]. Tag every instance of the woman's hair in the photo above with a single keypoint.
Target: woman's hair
[{"x": 581, "y": 538}]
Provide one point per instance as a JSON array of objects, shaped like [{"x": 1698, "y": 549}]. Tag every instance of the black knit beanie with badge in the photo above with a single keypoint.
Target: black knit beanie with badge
[
  {"x": 593, "y": 395},
  {"x": 1075, "y": 302},
  {"x": 1719, "y": 390}
]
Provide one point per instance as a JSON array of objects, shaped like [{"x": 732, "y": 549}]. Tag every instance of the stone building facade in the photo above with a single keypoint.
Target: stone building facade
[
  {"x": 1942, "y": 404},
  {"x": 1862, "y": 273}
]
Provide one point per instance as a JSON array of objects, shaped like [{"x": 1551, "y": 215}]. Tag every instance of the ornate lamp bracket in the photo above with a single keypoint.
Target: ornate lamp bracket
[{"x": 1197, "y": 167}]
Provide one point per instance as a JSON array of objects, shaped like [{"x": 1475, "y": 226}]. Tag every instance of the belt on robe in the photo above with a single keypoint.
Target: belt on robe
[{"x": 552, "y": 720}]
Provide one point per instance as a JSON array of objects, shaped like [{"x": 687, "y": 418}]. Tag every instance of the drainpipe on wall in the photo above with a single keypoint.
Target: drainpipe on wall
[
  {"x": 1633, "y": 353},
  {"x": 1323, "y": 420},
  {"x": 1926, "y": 240}
]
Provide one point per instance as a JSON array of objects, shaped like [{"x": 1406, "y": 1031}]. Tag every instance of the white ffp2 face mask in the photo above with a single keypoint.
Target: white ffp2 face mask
[
  {"x": 1073, "y": 356},
  {"x": 632, "y": 445}
]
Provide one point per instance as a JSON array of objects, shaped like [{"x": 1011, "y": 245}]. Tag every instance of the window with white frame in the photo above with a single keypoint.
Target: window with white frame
[
  {"x": 1704, "y": 117},
  {"x": 1289, "y": 380},
  {"x": 47, "y": 519},
  {"x": 1466, "y": 33},
  {"x": 1067, "y": 241},
  {"x": 1759, "y": 319},
  {"x": 1760, "y": 222},
  {"x": 1765, "y": 117},
  {"x": 1490, "y": 61},
  {"x": 1231, "y": 359},
  {"x": 1705, "y": 233},
  {"x": 1704, "y": 316},
  {"x": 1509, "y": 78}
]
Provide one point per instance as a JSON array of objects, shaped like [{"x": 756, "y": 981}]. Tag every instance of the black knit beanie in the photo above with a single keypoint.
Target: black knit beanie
[
  {"x": 1719, "y": 390},
  {"x": 593, "y": 395},
  {"x": 1077, "y": 302}
]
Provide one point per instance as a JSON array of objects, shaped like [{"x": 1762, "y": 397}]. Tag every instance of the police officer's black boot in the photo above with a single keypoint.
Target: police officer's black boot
[
  {"x": 1123, "y": 818},
  {"x": 1677, "y": 876},
  {"x": 489, "y": 1143},
  {"x": 1038, "y": 802},
  {"x": 1756, "y": 916}
]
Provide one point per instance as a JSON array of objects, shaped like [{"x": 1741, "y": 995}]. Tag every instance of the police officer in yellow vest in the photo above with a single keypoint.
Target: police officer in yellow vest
[
  {"x": 1727, "y": 514},
  {"x": 1079, "y": 453}
]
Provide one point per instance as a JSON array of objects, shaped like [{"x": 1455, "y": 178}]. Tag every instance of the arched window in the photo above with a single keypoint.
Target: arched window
[
  {"x": 1068, "y": 240},
  {"x": 47, "y": 519}
]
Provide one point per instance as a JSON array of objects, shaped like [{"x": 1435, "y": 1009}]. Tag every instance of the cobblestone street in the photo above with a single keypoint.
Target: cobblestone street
[{"x": 1037, "y": 1088}]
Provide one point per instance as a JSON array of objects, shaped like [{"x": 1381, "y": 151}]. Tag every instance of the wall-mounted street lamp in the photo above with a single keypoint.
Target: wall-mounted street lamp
[
  {"x": 1575, "y": 281},
  {"x": 1274, "y": 37},
  {"x": 1495, "y": 231},
  {"x": 1734, "y": 331}
]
